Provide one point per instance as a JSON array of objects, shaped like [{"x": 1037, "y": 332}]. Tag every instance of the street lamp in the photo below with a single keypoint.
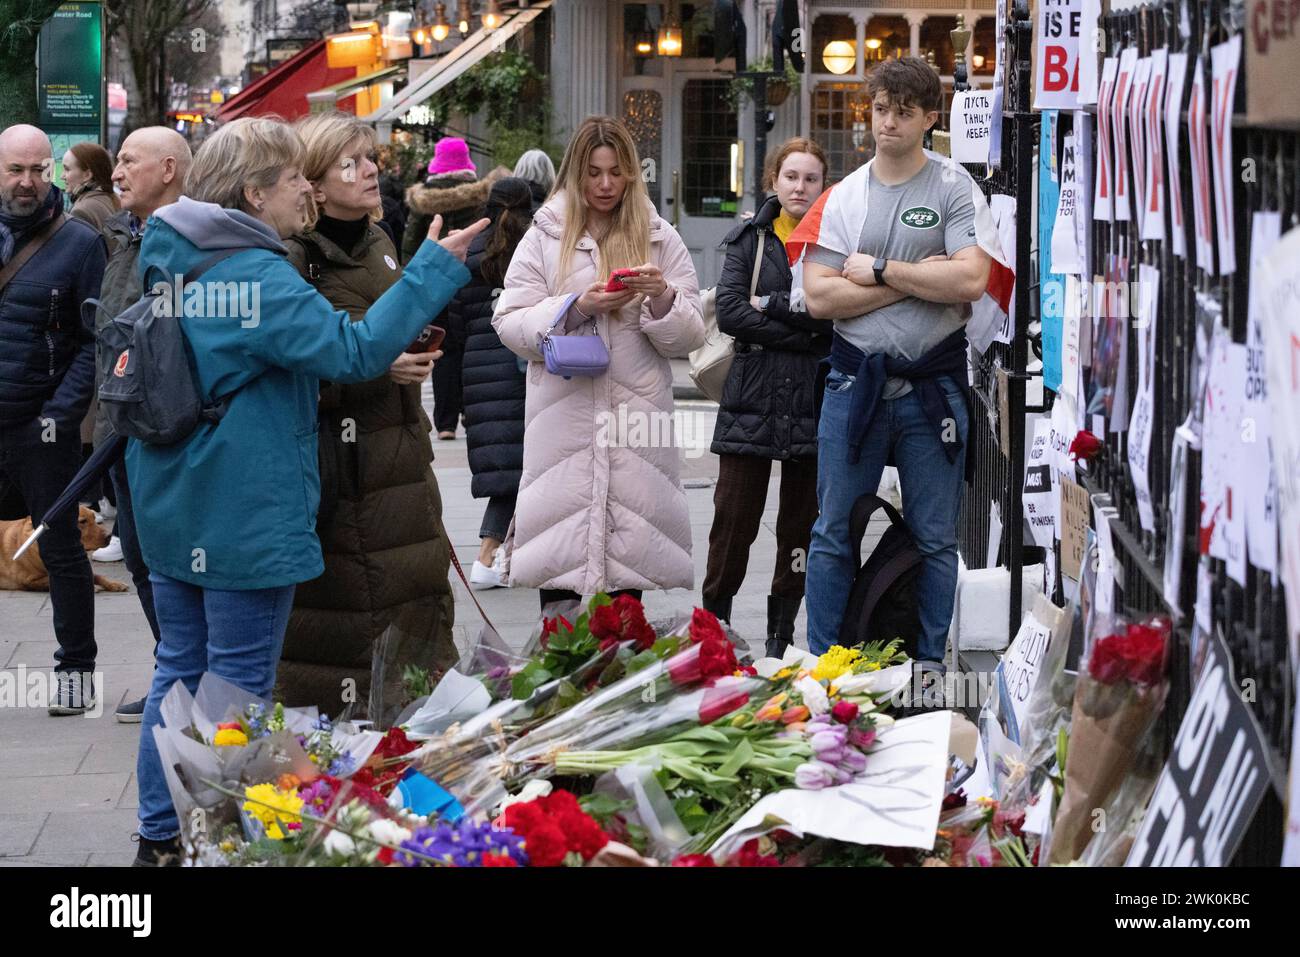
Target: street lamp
[
  {"x": 463, "y": 14},
  {"x": 840, "y": 56},
  {"x": 492, "y": 16},
  {"x": 441, "y": 29}
]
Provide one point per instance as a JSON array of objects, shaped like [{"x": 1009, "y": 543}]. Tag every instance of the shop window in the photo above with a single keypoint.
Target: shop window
[
  {"x": 697, "y": 29},
  {"x": 841, "y": 123},
  {"x": 643, "y": 113},
  {"x": 984, "y": 52},
  {"x": 887, "y": 37},
  {"x": 829, "y": 28},
  {"x": 936, "y": 37},
  {"x": 708, "y": 131},
  {"x": 641, "y": 23}
]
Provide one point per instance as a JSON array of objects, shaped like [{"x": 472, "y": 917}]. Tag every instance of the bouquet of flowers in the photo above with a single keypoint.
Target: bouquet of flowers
[{"x": 1115, "y": 704}]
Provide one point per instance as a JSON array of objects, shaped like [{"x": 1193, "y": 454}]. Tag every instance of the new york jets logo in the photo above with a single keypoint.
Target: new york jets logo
[{"x": 919, "y": 217}]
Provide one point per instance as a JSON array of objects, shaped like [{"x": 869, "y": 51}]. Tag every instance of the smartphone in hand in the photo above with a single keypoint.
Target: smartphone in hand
[
  {"x": 615, "y": 283},
  {"x": 430, "y": 339}
]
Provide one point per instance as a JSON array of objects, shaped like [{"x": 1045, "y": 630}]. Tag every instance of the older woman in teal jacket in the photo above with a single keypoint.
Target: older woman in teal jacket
[{"x": 227, "y": 516}]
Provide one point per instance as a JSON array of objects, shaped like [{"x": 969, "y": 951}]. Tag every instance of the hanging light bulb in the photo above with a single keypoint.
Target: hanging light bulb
[
  {"x": 463, "y": 14},
  {"x": 441, "y": 28},
  {"x": 492, "y": 16}
]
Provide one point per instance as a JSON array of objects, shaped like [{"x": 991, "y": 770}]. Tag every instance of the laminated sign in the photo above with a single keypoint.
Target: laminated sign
[
  {"x": 1056, "y": 54},
  {"x": 1214, "y": 779}
]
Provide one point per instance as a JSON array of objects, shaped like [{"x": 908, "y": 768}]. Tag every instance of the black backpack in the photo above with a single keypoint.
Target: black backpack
[
  {"x": 150, "y": 388},
  {"x": 882, "y": 603}
]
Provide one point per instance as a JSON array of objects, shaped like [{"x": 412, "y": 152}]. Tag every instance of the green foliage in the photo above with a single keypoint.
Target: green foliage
[
  {"x": 495, "y": 84},
  {"x": 741, "y": 88},
  {"x": 416, "y": 682}
]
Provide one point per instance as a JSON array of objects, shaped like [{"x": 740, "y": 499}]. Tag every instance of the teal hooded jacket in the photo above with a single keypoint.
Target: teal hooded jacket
[{"x": 233, "y": 506}]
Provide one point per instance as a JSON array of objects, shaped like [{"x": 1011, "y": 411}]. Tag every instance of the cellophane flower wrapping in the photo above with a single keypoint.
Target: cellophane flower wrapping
[{"x": 1116, "y": 703}]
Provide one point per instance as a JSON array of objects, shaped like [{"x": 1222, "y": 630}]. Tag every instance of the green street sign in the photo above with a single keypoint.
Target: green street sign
[{"x": 70, "y": 71}]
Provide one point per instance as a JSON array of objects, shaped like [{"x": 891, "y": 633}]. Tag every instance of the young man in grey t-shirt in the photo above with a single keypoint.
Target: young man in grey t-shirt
[{"x": 901, "y": 291}]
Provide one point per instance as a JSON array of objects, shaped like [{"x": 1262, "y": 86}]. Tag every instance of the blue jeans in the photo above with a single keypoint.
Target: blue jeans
[
  {"x": 932, "y": 490},
  {"x": 237, "y": 635}
]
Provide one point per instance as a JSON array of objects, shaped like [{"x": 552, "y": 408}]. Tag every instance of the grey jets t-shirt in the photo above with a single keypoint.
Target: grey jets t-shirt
[{"x": 923, "y": 217}]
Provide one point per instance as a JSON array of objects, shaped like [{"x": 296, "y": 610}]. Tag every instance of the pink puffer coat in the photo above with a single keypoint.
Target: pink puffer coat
[{"x": 601, "y": 506}]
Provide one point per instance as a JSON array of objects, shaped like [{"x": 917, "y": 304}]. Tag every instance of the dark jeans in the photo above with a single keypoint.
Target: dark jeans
[
  {"x": 448, "y": 397},
  {"x": 737, "y": 512},
  {"x": 549, "y": 595},
  {"x": 131, "y": 554},
  {"x": 496, "y": 517},
  {"x": 40, "y": 472}
]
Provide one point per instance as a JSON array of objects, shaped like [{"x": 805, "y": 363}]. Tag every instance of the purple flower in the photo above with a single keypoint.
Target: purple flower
[
  {"x": 813, "y": 776},
  {"x": 853, "y": 761},
  {"x": 862, "y": 740}
]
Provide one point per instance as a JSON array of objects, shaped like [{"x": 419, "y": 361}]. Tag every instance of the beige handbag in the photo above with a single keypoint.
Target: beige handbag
[{"x": 711, "y": 362}]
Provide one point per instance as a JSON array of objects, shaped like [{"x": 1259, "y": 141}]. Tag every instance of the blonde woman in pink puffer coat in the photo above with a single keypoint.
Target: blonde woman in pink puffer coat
[{"x": 601, "y": 506}]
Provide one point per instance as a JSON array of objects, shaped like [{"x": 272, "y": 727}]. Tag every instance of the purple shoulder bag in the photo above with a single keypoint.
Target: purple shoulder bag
[{"x": 572, "y": 355}]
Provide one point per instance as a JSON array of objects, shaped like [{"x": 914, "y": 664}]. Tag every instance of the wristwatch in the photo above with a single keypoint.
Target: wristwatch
[{"x": 878, "y": 267}]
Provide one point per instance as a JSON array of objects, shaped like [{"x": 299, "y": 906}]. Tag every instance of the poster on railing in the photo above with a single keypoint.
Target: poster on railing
[
  {"x": 1092, "y": 40},
  {"x": 1223, "y": 510},
  {"x": 1225, "y": 60},
  {"x": 1257, "y": 429},
  {"x": 1279, "y": 287},
  {"x": 1173, "y": 570},
  {"x": 1083, "y": 170},
  {"x": 1056, "y": 54},
  {"x": 1174, "y": 86},
  {"x": 1103, "y": 197},
  {"x": 1051, "y": 288},
  {"x": 1040, "y": 498},
  {"x": 1153, "y": 190},
  {"x": 1137, "y": 105},
  {"x": 1215, "y": 777},
  {"x": 1202, "y": 187},
  {"x": 972, "y": 112},
  {"x": 1144, "y": 403},
  {"x": 1064, "y": 245},
  {"x": 1119, "y": 130}
]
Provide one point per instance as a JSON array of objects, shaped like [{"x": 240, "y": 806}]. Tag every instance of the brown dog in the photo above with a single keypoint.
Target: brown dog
[{"x": 28, "y": 573}]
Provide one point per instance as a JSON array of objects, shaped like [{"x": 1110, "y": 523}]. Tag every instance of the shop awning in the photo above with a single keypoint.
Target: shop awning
[
  {"x": 283, "y": 91},
  {"x": 471, "y": 51},
  {"x": 338, "y": 91}
]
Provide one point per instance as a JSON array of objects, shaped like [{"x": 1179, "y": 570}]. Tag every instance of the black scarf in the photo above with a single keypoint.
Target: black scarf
[{"x": 15, "y": 230}]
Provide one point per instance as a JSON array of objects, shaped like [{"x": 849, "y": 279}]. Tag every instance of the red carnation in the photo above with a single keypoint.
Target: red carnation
[
  {"x": 498, "y": 860},
  {"x": 546, "y": 844},
  {"x": 582, "y": 833},
  {"x": 694, "y": 860},
  {"x": 559, "y": 802},
  {"x": 704, "y": 625},
  {"x": 844, "y": 711},
  {"x": 606, "y": 626},
  {"x": 749, "y": 856}
]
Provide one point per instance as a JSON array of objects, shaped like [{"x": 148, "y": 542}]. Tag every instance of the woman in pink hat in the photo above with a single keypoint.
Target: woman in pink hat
[{"x": 454, "y": 191}]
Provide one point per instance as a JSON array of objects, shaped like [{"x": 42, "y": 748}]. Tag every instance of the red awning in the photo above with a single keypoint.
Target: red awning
[{"x": 284, "y": 90}]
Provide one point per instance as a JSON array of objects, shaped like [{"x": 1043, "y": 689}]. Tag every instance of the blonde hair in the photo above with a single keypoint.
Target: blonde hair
[
  {"x": 627, "y": 241},
  {"x": 249, "y": 151},
  {"x": 324, "y": 138}
]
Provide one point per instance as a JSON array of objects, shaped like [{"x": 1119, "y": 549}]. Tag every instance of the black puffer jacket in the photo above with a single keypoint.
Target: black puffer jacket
[
  {"x": 768, "y": 404},
  {"x": 47, "y": 343},
  {"x": 493, "y": 384}
]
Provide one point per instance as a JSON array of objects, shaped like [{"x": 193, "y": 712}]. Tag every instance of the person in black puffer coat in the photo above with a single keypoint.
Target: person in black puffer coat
[
  {"x": 768, "y": 407},
  {"x": 494, "y": 384}
]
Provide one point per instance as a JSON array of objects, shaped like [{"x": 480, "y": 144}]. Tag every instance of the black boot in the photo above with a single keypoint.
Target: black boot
[
  {"x": 158, "y": 853},
  {"x": 781, "y": 613},
  {"x": 720, "y": 607}
]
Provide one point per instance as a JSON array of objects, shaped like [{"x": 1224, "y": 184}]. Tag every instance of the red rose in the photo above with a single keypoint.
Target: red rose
[
  {"x": 844, "y": 711},
  {"x": 634, "y": 626},
  {"x": 1144, "y": 652},
  {"x": 717, "y": 658},
  {"x": 1085, "y": 445},
  {"x": 546, "y": 844},
  {"x": 1106, "y": 663},
  {"x": 749, "y": 856},
  {"x": 704, "y": 625},
  {"x": 685, "y": 668},
  {"x": 498, "y": 860},
  {"x": 606, "y": 626},
  {"x": 394, "y": 744},
  {"x": 694, "y": 860}
]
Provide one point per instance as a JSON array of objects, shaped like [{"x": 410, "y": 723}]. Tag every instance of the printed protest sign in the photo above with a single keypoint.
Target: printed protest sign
[
  {"x": 1056, "y": 54},
  {"x": 1173, "y": 136},
  {"x": 1224, "y": 67},
  {"x": 1261, "y": 473},
  {"x": 972, "y": 112},
  {"x": 1153, "y": 191}
]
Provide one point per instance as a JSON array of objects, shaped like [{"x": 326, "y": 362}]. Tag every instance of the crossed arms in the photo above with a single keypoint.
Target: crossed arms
[{"x": 853, "y": 291}]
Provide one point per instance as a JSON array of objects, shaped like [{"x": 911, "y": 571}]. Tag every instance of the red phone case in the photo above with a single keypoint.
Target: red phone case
[
  {"x": 430, "y": 339},
  {"x": 614, "y": 284}
]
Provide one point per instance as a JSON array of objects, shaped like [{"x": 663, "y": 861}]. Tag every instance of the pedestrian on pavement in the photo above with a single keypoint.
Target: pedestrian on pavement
[
  {"x": 150, "y": 173},
  {"x": 392, "y": 194},
  {"x": 49, "y": 265},
  {"x": 380, "y": 520},
  {"x": 454, "y": 191},
  {"x": 536, "y": 167},
  {"x": 768, "y": 408},
  {"x": 226, "y": 516},
  {"x": 895, "y": 273},
  {"x": 88, "y": 174},
  {"x": 601, "y": 506},
  {"x": 494, "y": 376}
]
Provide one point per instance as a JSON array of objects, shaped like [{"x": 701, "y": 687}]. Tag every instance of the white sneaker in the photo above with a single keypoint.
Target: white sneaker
[
  {"x": 482, "y": 576},
  {"x": 112, "y": 552}
]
